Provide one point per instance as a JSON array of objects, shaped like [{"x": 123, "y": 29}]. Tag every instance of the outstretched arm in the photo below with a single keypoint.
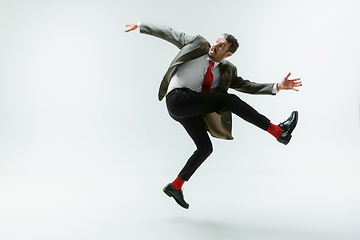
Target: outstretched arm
[
  {"x": 289, "y": 84},
  {"x": 179, "y": 39}
]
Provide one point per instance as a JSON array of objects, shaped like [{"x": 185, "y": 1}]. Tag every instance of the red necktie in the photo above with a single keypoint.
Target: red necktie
[{"x": 208, "y": 78}]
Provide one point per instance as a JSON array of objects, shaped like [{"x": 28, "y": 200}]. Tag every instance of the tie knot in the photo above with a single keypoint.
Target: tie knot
[{"x": 211, "y": 63}]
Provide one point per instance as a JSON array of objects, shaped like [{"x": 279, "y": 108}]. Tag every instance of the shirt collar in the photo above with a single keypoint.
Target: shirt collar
[{"x": 215, "y": 63}]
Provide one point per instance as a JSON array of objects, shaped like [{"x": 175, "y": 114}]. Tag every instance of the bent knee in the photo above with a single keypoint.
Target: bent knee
[{"x": 206, "y": 150}]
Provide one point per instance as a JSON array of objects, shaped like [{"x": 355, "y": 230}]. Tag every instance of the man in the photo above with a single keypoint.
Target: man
[{"x": 195, "y": 87}]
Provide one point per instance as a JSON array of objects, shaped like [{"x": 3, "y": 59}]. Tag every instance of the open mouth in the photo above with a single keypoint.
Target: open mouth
[{"x": 212, "y": 51}]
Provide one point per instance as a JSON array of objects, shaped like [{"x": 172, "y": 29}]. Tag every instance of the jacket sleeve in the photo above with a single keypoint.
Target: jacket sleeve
[
  {"x": 179, "y": 39},
  {"x": 232, "y": 80},
  {"x": 246, "y": 86}
]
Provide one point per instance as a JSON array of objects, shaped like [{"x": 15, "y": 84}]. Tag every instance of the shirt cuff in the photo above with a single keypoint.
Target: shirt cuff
[{"x": 274, "y": 90}]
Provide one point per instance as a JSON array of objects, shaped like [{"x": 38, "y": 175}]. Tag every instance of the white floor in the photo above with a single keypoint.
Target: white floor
[{"x": 249, "y": 204}]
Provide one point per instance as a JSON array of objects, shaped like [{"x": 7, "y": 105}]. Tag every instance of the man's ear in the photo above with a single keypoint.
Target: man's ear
[{"x": 228, "y": 54}]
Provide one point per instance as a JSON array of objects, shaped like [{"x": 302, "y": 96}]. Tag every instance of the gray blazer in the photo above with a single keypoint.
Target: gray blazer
[{"x": 191, "y": 47}]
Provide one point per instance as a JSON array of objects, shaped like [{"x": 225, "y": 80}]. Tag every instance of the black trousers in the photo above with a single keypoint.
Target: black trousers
[{"x": 187, "y": 107}]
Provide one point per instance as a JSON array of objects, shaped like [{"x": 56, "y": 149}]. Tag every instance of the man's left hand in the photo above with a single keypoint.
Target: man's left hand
[{"x": 289, "y": 84}]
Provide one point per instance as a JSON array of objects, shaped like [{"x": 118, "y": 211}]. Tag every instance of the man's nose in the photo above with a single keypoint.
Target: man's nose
[{"x": 216, "y": 45}]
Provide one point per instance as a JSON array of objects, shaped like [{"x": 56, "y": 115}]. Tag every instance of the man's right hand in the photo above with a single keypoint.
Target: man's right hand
[{"x": 131, "y": 26}]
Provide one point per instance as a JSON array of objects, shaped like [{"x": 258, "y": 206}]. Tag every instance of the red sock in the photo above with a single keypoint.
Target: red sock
[
  {"x": 275, "y": 130},
  {"x": 177, "y": 183}
]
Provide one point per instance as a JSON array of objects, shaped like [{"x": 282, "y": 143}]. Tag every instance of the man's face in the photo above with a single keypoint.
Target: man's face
[{"x": 219, "y": 50}]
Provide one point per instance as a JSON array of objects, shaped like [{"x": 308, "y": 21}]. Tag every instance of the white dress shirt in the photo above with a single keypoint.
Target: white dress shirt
[{"x": 191, "y": 74}]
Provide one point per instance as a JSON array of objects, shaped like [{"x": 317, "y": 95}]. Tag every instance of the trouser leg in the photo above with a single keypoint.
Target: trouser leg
[{"x": 196, "y": 129}]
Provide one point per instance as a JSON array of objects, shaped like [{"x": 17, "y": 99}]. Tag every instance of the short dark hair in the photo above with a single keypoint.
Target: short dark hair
[{"x": 233, "y": 42}]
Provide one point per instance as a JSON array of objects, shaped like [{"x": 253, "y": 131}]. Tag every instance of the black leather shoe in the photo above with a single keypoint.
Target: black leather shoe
[
  {"x": 288, "y": 127},
  {"x": 176, "y": 194}
]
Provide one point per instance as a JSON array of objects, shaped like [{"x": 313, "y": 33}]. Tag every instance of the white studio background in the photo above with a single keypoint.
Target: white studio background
[{"x": 86, "y": 147}]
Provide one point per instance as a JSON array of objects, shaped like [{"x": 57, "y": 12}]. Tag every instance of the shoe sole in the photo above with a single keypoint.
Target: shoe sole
[
  {"x": 293, "y": 128},
  {"x": 296, "y": 120}
]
